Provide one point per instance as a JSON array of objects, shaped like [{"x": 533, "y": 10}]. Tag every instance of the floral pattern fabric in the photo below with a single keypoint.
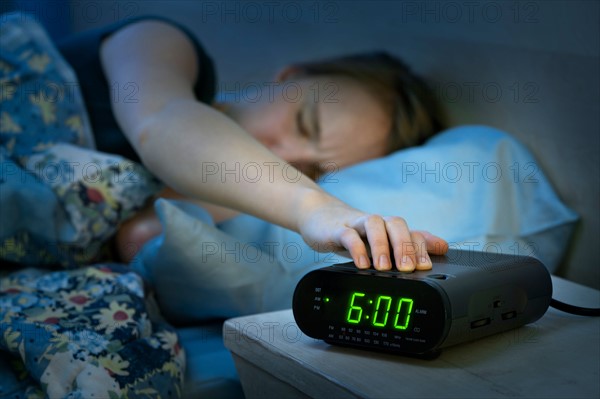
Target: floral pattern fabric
[
  {"x": 84, "y": 331},
  {"x": 87, "y": 333},
  {"x": 47, "y": 159}
]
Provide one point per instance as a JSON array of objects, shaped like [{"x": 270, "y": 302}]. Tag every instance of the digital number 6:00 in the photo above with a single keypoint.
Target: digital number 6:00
[{"x": 380, "y": 313}]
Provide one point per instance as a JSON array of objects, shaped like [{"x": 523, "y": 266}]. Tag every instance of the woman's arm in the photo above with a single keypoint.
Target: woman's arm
[{"x": 182, "y": 141}]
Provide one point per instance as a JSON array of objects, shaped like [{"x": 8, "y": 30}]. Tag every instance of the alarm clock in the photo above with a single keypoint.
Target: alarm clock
[{"x": 465, "y": 296}]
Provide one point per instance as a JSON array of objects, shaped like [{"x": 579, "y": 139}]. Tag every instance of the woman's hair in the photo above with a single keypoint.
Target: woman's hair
[{"x": 415, "y": 112}]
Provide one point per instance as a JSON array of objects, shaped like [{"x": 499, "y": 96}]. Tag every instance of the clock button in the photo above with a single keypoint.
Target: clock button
[{"x": 480, "y": 322}]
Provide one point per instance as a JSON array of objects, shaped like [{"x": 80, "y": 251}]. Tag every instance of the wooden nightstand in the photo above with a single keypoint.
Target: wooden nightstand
[{"x": 556, "y": 357}]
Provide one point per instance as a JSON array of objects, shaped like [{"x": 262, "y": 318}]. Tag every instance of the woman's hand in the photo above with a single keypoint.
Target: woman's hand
[{"x": 330, "y": 225}]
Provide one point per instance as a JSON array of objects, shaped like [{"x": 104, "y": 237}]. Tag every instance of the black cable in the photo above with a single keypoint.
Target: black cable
[{"x": 565, "y": 307}]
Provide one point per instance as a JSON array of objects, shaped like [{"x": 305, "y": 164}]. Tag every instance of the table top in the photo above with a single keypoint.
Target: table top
[{"x": 558, "y": 356}]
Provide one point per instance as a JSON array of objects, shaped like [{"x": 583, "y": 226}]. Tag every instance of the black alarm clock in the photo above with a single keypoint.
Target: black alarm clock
[{"x": 467, "y": 295}]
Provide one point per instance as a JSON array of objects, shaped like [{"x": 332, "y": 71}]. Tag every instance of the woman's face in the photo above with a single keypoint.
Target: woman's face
[{"x": 315, "y": 121}]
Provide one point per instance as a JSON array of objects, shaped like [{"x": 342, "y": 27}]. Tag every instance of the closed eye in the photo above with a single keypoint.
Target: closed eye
[
  {"x": 301, "y": 124},
  {"x": 307, "y": 122}
]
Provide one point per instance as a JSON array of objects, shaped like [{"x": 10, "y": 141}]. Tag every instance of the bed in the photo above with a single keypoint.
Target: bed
[{"x": 153, "y": 327}]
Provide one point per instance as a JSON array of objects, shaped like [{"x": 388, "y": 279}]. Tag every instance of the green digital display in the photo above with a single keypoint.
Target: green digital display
[{"x": 382, "y": 311}]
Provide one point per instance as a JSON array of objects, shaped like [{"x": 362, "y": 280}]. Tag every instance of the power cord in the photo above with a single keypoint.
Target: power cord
[{"x": 565, "y": 307}]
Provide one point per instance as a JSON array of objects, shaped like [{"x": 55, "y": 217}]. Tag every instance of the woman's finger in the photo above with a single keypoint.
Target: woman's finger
[
  {"x": 377, "y": 236},
  {"x": 422, "y": 257},
  {"x": 402, "y": 244},
  {"x": 352, "y": 241},
  {"x": 435, "y": 245}
]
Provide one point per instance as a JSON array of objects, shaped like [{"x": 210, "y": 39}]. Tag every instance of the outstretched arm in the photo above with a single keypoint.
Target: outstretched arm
[{"x": 178, "y": 137}]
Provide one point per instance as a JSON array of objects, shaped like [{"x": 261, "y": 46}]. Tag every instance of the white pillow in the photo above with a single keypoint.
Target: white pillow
[{"x": 200, "y": 272}]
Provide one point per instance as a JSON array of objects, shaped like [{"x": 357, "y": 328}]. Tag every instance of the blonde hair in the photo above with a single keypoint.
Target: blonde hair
[{"x": 415, "y": 113}]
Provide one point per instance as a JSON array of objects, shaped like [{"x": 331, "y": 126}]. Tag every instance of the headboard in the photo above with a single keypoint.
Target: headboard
[{"x": 526, "y": 67}]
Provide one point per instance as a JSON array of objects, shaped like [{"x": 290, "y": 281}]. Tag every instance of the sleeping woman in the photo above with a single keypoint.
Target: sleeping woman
[{"x": 341, "y": 112}]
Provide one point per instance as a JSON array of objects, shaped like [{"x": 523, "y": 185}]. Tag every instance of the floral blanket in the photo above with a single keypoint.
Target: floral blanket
[
  {"x": 86, "y": 333},
  {"x": 61, "y": 199},
  {"x": 71, "y": 325}
]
